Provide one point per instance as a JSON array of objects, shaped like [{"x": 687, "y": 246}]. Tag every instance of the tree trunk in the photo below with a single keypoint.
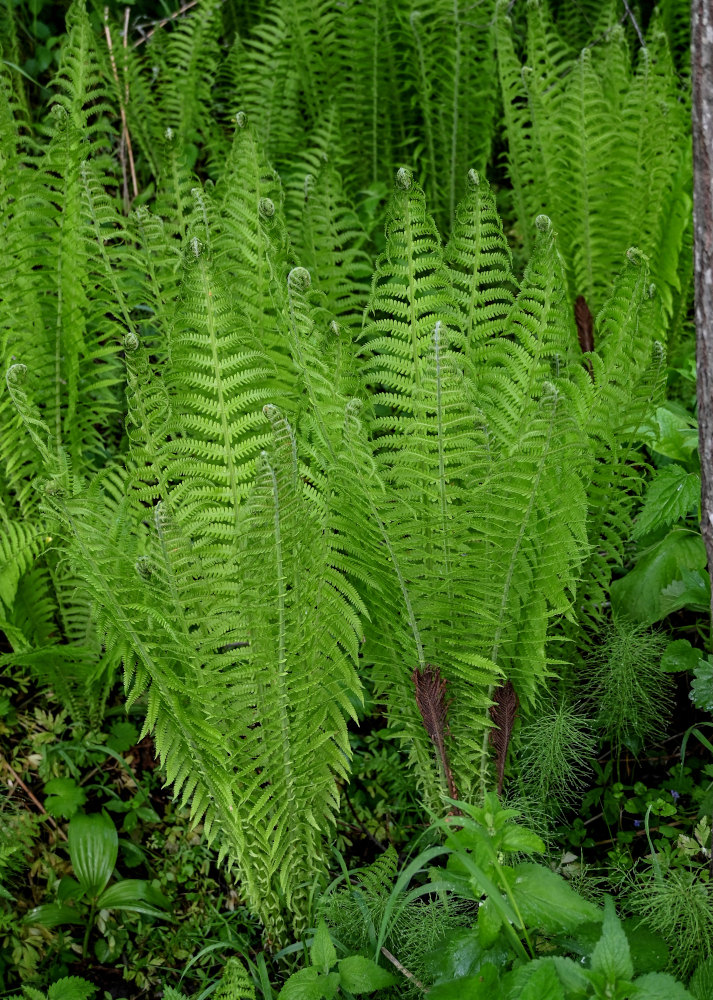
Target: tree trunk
[{"x": 702, "y": 79}]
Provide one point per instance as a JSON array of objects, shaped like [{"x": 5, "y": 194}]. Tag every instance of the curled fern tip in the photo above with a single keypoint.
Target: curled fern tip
[
  {"x": 299, "y": 278},
  {"x": 266, "y": 208},
  {"x": 404, "y": 178},
  {"x": 16, "y": 374}
]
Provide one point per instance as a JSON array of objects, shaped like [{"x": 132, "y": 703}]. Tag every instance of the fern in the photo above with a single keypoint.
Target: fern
[{"x": 563, "y": 115}]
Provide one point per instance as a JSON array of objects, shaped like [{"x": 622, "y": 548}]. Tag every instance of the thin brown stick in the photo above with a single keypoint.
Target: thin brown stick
[
  {"x": 633, "y": 20},
  {"x": 32, "y": 797},
  {"x": 402, "y": 969},
  {"x": 160, "y": 24},
  {"x": 125, "y": 137}
]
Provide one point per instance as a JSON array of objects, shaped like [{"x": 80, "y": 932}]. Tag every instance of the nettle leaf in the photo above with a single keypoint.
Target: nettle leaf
[
  {"x": 611, "y": 956},
  {"x": 537, "y": 980},
  {"x": 309, "y": 984},
  {"x": 360, "y": 975},
  {"x": 701, "y": 693},
  {"x": 71, "y": 988},
  {"x": 322, "y": 954},
  {"x": 547, "y": 902},
  {"x": 680, "y": 655},
  {"x": 64, "y": 797},
  {"x": 484, "y": 985},
  {"x": 658, "y": 986},
  {"x": 671, "y": 495}
]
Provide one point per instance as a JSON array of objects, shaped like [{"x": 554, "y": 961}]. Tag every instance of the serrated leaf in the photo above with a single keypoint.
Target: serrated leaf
[
  {"x": 122, "y": 736},
  {"x": 63, "y": 797},
  {"x": 611, "y": 956},
  {"x": 360, "y": 975},
  {"x": 537, "y": 980},
  {"x": 71, "y": 988},
  {"x": 701, "y": 693},
  {"x": 572, "y": 976},
  {"x": 308, "y": 984},
  {"x": 672, "y": 493},
  {"x": 484, "y": 985},
  {"x": 679, "y": 655},
  {"x": 322, "y": 954},
  {"x": 519, "y": 839},
  {"x": 658, "y": 986},
  {"x": 547, "y": 902}
]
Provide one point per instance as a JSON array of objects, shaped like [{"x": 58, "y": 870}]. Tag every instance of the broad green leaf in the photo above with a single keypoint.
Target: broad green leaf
[
  {"x": 520, "y": 839},
  {"x": 547, "y": 902},
  {"x": 63, "y": 797},
  {"x": 537, "y": 980},
  {"x": 658, "y": 986},
  {"x": 677, "y": 433},
  {"x": 649, "y": 951},
  {"x": 69, "y": 888},
  {"x": 639, "y": 594},
  {"x": 360, "y": 975},
  {"x": 71, "y": 988},
  {"x": 490, "y": 922},
  {"x": 692, "y": 591},
  {"x": 462, "y": 954},
  {"x": 672, "y": 493},
  {"x": 572, "y": 976},
  {"x": 322, "y": 954},
  {"x": 484, "y": 985},
  {"x": 680, "y": 655},
  {"x": 612, "y": 956},
  {"x": 134, "y": 894},
  {"x": 122, "y": 736},
  {"x": 701, "y": 693},
  {"x": 54, "y": 915},
  {"x": 309, "y": 984},
  {"x": 93, "y": 847}
]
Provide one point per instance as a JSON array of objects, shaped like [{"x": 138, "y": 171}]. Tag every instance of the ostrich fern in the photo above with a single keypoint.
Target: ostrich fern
[{"x": 258, "y": 479}]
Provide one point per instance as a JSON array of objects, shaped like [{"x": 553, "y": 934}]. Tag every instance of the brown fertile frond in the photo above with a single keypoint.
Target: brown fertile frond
[
  {"x": 503, "y": 713},
  {"x": 433, "y": 706}
]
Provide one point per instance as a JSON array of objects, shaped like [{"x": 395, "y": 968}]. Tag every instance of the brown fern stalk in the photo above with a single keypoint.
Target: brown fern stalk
[
  {"x": 585, "y": 328},
  {"x": 433, "y": 706},
  {"x": 503, "y": 713}
]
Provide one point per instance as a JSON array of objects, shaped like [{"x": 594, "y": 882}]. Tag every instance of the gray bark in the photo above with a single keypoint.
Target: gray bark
[{"x": 702, "y": 79}]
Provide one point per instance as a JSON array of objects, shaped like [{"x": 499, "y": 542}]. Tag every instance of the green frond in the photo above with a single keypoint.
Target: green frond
[
  {"x": 480, "y": 264},
  {"x": 410, "y": 294},
  {"x": 218, "y": 387},
  {"x": 453, "y": 63}
]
